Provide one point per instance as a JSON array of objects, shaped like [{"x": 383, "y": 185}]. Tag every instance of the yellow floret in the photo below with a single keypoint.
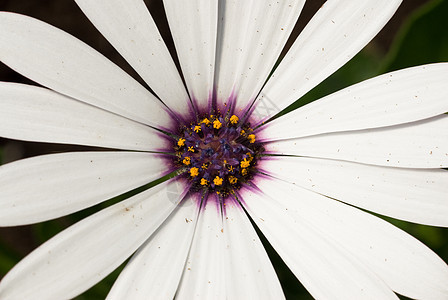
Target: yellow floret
[
  {"x": 206, "y": 121},
  {"x": 197, "y": 128},
  {"x": 181, "y": 142},
  {"x": 191, "y": 149},
  {"x": 204, "y": 181},
  {"x": 194, "y": 172},
  {"x": 218, "y": 180},
  {"x": 234, "y": 119},
  {"x": 244, "y": 163},
  {"x": 250, "y": 157},
  {"x": 186, "y": 161},
  {"x": 217, "y": 124},
  {"x": 244, "y": 172},
  {"x": 251, "y": 138},
  {"x": 233, "y": 179}
]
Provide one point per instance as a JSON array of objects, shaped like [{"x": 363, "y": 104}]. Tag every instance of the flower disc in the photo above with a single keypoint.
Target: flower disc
[{"x": 218, "y": 153}]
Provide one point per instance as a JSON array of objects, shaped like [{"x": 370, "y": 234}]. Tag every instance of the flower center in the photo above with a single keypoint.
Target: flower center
[{"x": 218, "y": 152}]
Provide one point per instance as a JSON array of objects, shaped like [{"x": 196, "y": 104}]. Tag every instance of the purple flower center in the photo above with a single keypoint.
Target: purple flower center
[{"x": 218, "y": 153}]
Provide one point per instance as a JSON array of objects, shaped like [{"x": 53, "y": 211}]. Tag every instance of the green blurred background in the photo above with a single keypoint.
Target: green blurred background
[{"x": 417, "y": 34}]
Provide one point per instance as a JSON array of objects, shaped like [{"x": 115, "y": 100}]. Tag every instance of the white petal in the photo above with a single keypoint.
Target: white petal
[
  {"x": 395, "y": 98},
  {"x": 251, "y": 35},
  {"x": 249, "y": 273},
  {"x": 422, "y": 144},
  {"x": 51, "y": 186},
  {"x": 416, "y": 195},
  {"x": 37, "y": 114},
  {"x": 129, "y": 27},
  {"x": 63, "y": 63},
  {"x": 339, "y": 30},
  {"x": 204, "y": 276},
  {"x": 155, "y": 270},
  {"x": 85, "y": 253},
  {"x": 405, "y": 264},
  {"x": 325, "y": 269},
  {"x": 193, "y": 25}
]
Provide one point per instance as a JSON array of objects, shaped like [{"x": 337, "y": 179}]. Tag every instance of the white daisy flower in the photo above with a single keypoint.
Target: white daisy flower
[{"x": 378, "y": 145}]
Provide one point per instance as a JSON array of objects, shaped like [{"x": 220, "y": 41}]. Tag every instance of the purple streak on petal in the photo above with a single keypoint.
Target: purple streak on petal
[
  {"x": 227, "y": 105},
  {"x": 215, "y": 200},
  {"x": 260, "y": 167},
  {"x": 230, "y": 199},
  {"x": 252, "y": 188},
  {"x": 194, "y": 105},
  {"x": 180, "y": 118},
  {"x": 169, "y": 166},
  {"x": 247, "y": 111},
  {"x": 167, "y": 141}
]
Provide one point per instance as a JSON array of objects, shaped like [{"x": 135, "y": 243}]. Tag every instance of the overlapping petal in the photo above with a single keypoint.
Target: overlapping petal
[
  {"x": 249, "y": 272},
  {"x": 155, "y": 270},
  {"x": 85, "y": 253},
  {"x": 37, "y": 114},
  {"x": 50, "y": 186},
  {"x": 416, "y": 195},
  {"x": 129, "y": 27},
  {"x": 227, "y": 259},
  {"x": 339, "y": 30},
  {"x": 193, "y": 25},
  {"x": 251, "y": 35},
  {"x": 402, "y": 262},
  {"x": 327, "y": 270},
  {"x": 398, "y": 97},
  {"x": 63, "y": 63},
  {"x": 204, "y": 271},
  {"x": 422, "y": 144}
]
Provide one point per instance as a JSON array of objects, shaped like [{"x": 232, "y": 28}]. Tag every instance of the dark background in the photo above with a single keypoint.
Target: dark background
[{"x": 415, "y": 35}]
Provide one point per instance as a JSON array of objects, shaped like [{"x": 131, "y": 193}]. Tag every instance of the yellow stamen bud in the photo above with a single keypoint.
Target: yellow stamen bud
[
  {"x": 232, "y": 179},
  {"x": 204, "y": 181},
  {"x": 204, "y": 166},
  {"x": 191, "y": 149},
  {"x": 244, "y": 172},
  {"x": 186, "y": 161},
  {"x": 234, "y": 119},
  {"x": 206, "y": 121},
  {"x": 250, "y": 157},
  {"x": 181, "y": 142},
  {"x": 217, "y": 124},
  {"x": 218, "y": 180},
  {"x": 197, "y": 128},
  {"x": 194, "y": 172},
  {"x": 244, "y": 163},
  {"x": 251, "y": 138}
]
